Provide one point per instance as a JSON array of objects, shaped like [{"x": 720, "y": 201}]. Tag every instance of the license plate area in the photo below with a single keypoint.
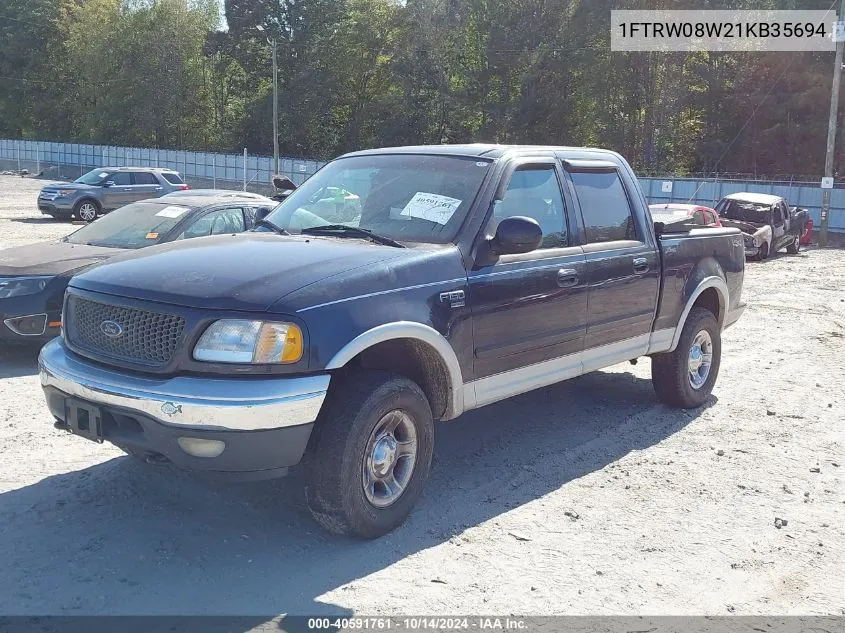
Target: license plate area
[{"x": 84, "y": 419}]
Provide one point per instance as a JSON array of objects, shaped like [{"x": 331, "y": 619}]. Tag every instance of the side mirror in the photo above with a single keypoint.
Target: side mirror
[
  {"x": 284, "y": 186},
  {"x": 262, "y": 212},
  {"x": 517, "y": 234},
  {"x": 108, "y": 183}
]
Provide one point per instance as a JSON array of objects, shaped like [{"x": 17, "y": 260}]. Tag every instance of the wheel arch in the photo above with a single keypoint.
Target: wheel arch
[
  {"x": 415, "y": 350},
  {"x": 710, "y": 293},
  {"x": 85, "y": 199}
]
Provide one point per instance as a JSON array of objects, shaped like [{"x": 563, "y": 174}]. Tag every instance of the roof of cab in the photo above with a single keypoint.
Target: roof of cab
[
  {"x": 758, "y": 198},
  {"x": 481, "y": 150}
]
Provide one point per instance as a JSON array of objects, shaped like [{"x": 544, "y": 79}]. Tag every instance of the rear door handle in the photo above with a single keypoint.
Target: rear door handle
[
  {"x": 567, "y": 278},
  {"x": 640, "y": 265}
]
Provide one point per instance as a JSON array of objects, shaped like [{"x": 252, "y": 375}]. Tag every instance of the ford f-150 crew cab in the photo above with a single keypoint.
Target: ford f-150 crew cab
[{"x": 468, "y": 274}]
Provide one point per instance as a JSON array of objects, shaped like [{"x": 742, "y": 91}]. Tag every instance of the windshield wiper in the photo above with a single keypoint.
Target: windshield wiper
[
  {"x": 342, "y": 230},
  {"x": 274, "y": 227}
]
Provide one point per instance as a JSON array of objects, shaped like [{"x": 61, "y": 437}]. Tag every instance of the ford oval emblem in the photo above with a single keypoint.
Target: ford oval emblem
[{"x": 112, "y": 329}]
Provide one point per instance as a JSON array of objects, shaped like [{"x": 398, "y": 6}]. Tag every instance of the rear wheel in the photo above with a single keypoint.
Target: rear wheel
[
  {"x": 685, "y": 377},
  {"x": 369, "y": 455},
  {"x": 86, "y": 210},
  {"x": 794, "y": 246}
]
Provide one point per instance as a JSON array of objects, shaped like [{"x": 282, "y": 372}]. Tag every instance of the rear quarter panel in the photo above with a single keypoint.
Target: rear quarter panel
[{"x": 689, "y": 259}]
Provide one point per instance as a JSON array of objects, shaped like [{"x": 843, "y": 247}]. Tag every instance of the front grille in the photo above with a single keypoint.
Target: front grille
[{"x": 127, "y": 334}]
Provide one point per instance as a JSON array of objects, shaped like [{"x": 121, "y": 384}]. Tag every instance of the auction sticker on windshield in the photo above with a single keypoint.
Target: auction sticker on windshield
[
  {"x": 432, "y": 207},
  {"x": 172, "y": 212}
]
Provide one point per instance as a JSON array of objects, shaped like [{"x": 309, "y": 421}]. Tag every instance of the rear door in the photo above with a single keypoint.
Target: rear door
[
  {"x": 145, "y": 185},
  {"x": 622, "y": 264},
  {"x": 531, "y": 307}
]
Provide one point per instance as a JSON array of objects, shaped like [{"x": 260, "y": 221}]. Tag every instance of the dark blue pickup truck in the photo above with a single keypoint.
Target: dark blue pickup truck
[{"x": 394, "y": 288}]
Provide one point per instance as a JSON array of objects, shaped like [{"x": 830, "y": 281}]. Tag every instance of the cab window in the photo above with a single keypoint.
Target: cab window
[
  {"x": 534, "y": 192},
  {"x": 217, "y": 222},
  {"x": 605, "y": 207}
]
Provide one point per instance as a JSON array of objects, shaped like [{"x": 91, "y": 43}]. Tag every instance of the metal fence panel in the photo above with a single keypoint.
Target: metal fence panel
[
  {"x": 709, "y": 192},
  {"x": 72, "y": 159}
]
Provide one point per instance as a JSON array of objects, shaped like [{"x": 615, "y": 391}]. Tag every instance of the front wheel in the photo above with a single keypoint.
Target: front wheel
[
  {"x": 86, "y": 210},
  {"x": 685, "y": 377},
  {"x": 369, "y": 455},
  {"x": 794, "y": 246},
  {"x": 762, "y": 252}
]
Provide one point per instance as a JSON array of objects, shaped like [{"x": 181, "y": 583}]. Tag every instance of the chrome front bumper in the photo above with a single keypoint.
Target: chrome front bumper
[{"x": 210, "y": 404}]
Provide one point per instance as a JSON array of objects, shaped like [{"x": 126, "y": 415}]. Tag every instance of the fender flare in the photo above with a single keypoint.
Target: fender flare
[
  {"x": 708, "y": 282},
  {"x": 412, "y": 330}
]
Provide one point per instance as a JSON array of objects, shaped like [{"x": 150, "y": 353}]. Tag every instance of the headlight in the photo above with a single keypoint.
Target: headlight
[
  {"x": 66, "y": 192},
  {"x": 20, "y": 286},
  {"x": 256, "y": 342}
]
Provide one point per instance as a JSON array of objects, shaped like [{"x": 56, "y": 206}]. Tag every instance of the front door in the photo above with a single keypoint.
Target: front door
[
  {"x": 529, "y": 308},
  {"x": 622, "y": 268},
  {"x": 119, "y": 192}
]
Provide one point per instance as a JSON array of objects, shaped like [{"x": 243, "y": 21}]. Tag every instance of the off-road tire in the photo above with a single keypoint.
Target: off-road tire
[
  {"x": 794, "y": 246},
  {"x": 670, "y": 373},
  {"x": 82, "y": 210},
  {"x": 334, "y": 459}
]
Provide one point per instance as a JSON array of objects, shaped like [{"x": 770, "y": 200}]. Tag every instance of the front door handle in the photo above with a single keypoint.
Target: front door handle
[
  {"x": 640, "y": 265},
  {"x": 567, "y": 278}
]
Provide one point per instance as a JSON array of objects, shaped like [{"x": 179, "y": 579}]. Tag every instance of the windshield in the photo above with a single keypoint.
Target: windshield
[
  {"x": 93, "y": 177},
  {"x": 412, "y": 198},
  {"x": 134, "y": 226},
  {"x": 754, "y": 212}
]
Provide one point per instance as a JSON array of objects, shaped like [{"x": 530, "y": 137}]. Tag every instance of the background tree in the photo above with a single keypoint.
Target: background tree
[{"x": 366, "y": 73}]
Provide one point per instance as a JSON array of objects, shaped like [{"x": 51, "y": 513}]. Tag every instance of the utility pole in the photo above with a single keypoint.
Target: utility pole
[
  {"x": 273, "y": 43},
  {"x": 831, "y": 131},
  {"x": 276, "y": 109}
]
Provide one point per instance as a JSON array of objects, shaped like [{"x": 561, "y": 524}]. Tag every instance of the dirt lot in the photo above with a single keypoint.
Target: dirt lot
[{"x": 583, "y": 498}]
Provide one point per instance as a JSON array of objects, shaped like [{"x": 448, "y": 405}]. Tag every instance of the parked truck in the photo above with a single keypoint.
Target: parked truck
[
  {"x": 470, "y": 274},
  {"x": 767, "y": 222}
]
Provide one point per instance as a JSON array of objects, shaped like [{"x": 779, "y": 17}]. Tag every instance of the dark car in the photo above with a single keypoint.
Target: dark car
[
  {"x": 470, "y": 274},
  {"x": 104, "y": 189},
  {"x": 33, "y": 278}
]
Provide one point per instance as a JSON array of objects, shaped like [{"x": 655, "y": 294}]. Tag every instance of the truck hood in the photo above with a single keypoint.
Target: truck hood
[
  {"x": 52, "y": 258},
  {"x": 245, "y": 272}
]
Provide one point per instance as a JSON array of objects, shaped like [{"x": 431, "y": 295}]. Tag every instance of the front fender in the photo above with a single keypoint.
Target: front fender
[{"x": 409, "y": 330}]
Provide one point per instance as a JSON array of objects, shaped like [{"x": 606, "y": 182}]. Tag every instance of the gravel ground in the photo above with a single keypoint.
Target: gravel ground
[{"x": 586, "y": 497}]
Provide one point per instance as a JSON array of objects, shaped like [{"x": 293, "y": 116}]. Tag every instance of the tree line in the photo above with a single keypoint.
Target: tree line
[{"x": 365, "y": 73}]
